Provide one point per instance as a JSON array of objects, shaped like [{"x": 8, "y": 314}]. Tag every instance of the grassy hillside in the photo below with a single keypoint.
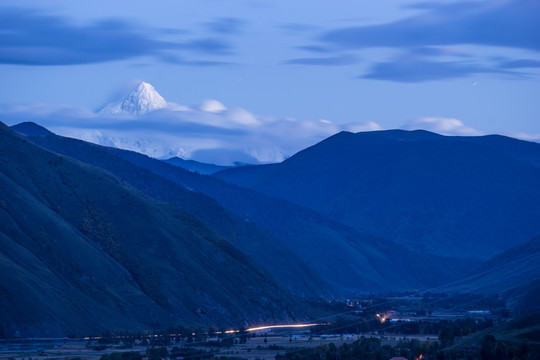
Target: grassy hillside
[
  {"x": 262, "y": 248},
  {"x": 82, "y": 251}
]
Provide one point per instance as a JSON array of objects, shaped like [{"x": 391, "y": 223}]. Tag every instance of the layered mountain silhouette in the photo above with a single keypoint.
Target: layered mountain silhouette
[
  {"x": 97, "y": 238},
  {"x": 296, "y": 245},
  {"x": 195, "y": 166},
  {"x": 263, "y": 249},
  {"x": 466, "y": 197},
  {"x": 82, "y": 251}
]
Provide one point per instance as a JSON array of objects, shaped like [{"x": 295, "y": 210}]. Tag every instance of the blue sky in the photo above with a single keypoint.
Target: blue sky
[{"x": 456, "y": 67}]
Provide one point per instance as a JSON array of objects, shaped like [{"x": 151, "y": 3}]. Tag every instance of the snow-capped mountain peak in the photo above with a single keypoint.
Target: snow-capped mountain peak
[{"x": 141, "y": 100}]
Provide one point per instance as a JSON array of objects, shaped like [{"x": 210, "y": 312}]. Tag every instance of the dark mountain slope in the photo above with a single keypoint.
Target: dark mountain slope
[
  {"x": 196, "y": 166},
  {"x": 258, "y": 245},
  {"x": 517, "y": 149},
  {"x": 82, "y": 252},
  {"x": 38, "y": 269},
  {"x": 351, "y": 262},
  {"x": 433, "y": 193},
  {"x": 31, "y": 129},
  {"x": 515, "y": 274}
]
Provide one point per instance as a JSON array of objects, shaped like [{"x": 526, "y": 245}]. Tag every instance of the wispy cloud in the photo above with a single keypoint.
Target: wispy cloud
[
  {"x": 178, "y": 60},
  {"x": 315, "y": 48},
  {"x": 427, "y": 45},
  {"x": 297, "y": 27},
  {"x": 411, "y": 70},
  {"x": 340, "y": 60},
  {"x": 32, "y": 38},
  {"x": 525, "y": 136},
  {"x": 209, "y": 133},
  {"x": 226, "y": 25},
  {"x": 220, "y": 135},
  {"x": 361, "y": 127},
  {"x": 441, "y": 125},
  {"x": 215, "y": 46},
  {"x": 512, "y": 24},
  {"x": 520, "y": 64}
]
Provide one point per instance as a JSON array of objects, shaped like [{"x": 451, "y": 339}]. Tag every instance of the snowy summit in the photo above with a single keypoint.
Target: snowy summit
[{"x": 141, "y": 100}]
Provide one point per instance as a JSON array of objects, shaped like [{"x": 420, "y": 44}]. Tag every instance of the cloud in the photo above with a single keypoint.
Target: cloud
[
  {"x": 315, "y": 48},
  {"x": 525, "y": 136},
  {"x": 211, "y": 132},
  {"x": 444, "y": 126},
  {"x": 520, "y": 64},
  {"x": 340, "y": 60},
  {"x": 19, "y": 113},
  {"x": 438, "y": 42},
  {"x": 297, "y": 27},
  {"x": 175, "y": 59},
  {"x": 432, "y": 51},
  {"x": 410, "y": 67},
  {"x": 211, "y": 105},
  {"x": 205, "y": 134},
  {"x": 214, "y": 46},
  {"x": 33, "y": 38},
  {"x": 361, "y": 127},
  {"x": 412, "y": 70},
  {"x": 512, "y": 24},
  {"x": 226, "y": 25}
]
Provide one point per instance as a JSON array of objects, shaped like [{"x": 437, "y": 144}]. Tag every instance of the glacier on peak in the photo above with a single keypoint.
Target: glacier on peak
[{"x": 141, "y": 100}]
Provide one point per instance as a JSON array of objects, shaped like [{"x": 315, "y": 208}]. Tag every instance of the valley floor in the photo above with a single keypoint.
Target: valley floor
[{"x": 254, "y": 348}]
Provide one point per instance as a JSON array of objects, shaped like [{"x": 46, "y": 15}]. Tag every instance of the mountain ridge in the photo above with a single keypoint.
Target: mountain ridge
[
  {"x": 349, "y": 262},
  {"x": 72, "y": 263},
  {"x": 242, "y": 234},
  {"x": 196, "y": 166},
  {"x": 433, "y": 193}
]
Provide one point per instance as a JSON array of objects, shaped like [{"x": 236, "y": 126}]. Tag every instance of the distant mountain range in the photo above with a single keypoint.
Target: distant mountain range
[
  {"x": 196, "y": 166},
  {"x": 210, "y": 132},
  {"x": 349, "y": 262},
  {"x": 466, "y": 197},
  {"x": 100, "y": 238}
]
